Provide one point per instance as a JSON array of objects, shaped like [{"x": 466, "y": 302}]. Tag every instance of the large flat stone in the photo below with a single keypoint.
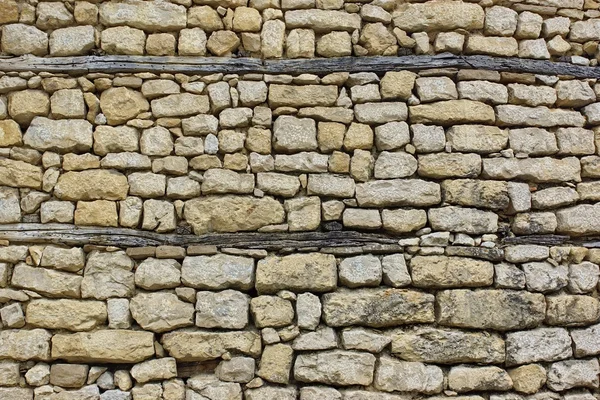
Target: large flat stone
[
  {"x": 398, "y": 192},
  {"x": 502, "y": 310},
  {"x": 377, "y": 307},
  {"x": 322, "y": 20},
  {"x": 92, "y": 184},
  {"x": 445, "y": 346},
  {"x": 46, "y": 281},
  {"x": 314, "y": 272},
  {"x": 452, "y": 112},
  {"x": 542, "y": 170},
  {"x": 63, "y": 136},
  {"x": 104, "y": 346},
  {"x": 336, "y": 367},
  {"x": 73, "y": 315},
  {"x": 438, "y": 16},
  {"x": 205, "y": 345},
  {"x": 448, "y": 272},
  {"x": 150, "y": 16},
  {"x": 25, "y": 345},
  {"x": 232, "y": 213},
  {"x": 302, "y": 96},
  {"x": 583, "y": 219}
]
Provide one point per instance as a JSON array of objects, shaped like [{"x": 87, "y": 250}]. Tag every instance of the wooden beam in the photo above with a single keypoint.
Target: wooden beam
[
  {"x": 321, "y": 66},
  {"x": 122, "y": 237}
]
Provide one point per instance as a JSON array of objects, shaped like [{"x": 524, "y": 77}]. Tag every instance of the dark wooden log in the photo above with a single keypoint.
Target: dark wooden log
[
  {"x": 321, "y": 66},
  {"x": 121, "y": 237}
]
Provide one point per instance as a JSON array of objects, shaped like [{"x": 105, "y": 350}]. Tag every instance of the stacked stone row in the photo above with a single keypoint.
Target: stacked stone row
[
  {"x": 469, "y": 152},
  {"x": 224, "y": 324},
  {"x": 540, "y": 29}
]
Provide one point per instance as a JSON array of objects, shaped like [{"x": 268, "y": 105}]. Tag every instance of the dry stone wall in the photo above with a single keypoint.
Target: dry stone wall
[
  {"x": 538, "y": 29},
  {"x": 403, "y": 235},
  {"x": 448, "y": 162}
]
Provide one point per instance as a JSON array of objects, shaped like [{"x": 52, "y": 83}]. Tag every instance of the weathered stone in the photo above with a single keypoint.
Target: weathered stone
[
  {"x": 161, "y": 312},
  {"x": 586, "y": 341},
  {"x": 123, "y": 40},
  {"x": 10, "y": 210},
  {"x": 238, "y": 369},
  {"x": 572, "y": 310},
  {"x": 272, "y": 39},
  {"x": 308, "y": 310},
  {"x": 449, "y": 272},
  {"x": 322, "y": 20},
  {"x": 72, "y": 315},
  {"x": 568, "y": 374},
  {"x": 397, "y": 192},
  {"x": 218, "y": 272},
  {"x": 543, "y": 169},
  {"x": 301, "y": 162},
  {"x": 20, "y": 174},
  {"x": 108, "y": 275},
  {"x": 578, "y": 220},
  {"x": 380, "y": 113},
  {"x": 72, "y": 41},
  {"x": 220, "y": 181},
  {"x": 154, "y": 370},
  {"x": 554, "y": 197},
  {"x": 502, "y": 310},
  {"x": 445, "y": 165},
  {"x": 377, "y": 307},
  {"x": 444, "y": 346},
  {"x": 183, "y": 104},
  {"x": 476, "y": 193},
  {"x": 528, "y": 378},
  {"x": 68, "y": 375},
  {"x": 452, "y": 112},
  {"x": 314, "y": 272},
  {"x": 292, "y": 134},
  {"x": 403, "y": 221},
  {"x": 25, "y": 345},
  {"x": 545, "y": 277},
  {"x": 47, "y": 282},
  {"x": 232, "y": 214},
  {"x": 10, "y": 134},
  {"x": 276, "y": 363},
  {"x": 335, "y": 367},
  {"x": 542, "y": 344},
  {"x": 204, "y": 345},
  {"x": 466, "y": 379},
  {"x": 440, "y": 16},
  {"x": 122, "y": 104},
  {"x": 360, "y": 271},
  {"x": 477, "y": 138},
  {"x": 465, "y": 220},
  {"x": 25, "y": 105},
  {"x": 126, "y": 346},
  {"x": 394, "y": 165},
  {"x": 513, "y": 115},
  {"x": 154, "y": 274},
  {"x": 227, "y": 309},
  {"x": 302, "y": 96},
  {"x": 492, "y": 45},
  {"x": 419, "y": 377},
  {"x": 20, "y": 39},
  {"x": 151, "y": 16}
]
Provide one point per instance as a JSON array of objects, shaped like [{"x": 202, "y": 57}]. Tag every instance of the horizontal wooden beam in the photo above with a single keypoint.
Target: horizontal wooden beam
[
  {"x": 122, "y": 237},
  {"x": 208, "y": 65}
]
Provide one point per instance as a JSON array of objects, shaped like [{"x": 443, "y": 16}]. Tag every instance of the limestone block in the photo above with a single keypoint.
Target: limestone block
[
  {"x": 20, "y": 39},
  {"x": 542, "y": 344},
  {"x": 206, "y": 345},
  {"x": 73, "y": 315},
  {"x": 161, "y": 312},
  {"x": 72, "y": 41},
  {"x": 123, "y": 40},
  {"x": 421, "y": 378},
  {"x": 225, "y": 310},
  {"x": 446, "y": 346},
  {"x": 355, "y": 307},
  {"x": 336, "y": 367}
]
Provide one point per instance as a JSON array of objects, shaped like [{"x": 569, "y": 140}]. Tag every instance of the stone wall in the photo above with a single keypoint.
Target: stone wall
[
  {"x": 403, "y": 235},
  {"x": 539, "y": 29},
  {"x": 450, "y": 163}
]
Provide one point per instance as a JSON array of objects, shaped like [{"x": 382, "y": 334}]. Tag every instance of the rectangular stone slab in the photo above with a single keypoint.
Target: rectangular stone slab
[{"x": 106, "y": 346}]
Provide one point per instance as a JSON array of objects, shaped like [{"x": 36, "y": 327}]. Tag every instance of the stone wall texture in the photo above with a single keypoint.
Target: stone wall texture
[
  {"x": 538, "y": 29},
  {"x": 472, "y": 177}
]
